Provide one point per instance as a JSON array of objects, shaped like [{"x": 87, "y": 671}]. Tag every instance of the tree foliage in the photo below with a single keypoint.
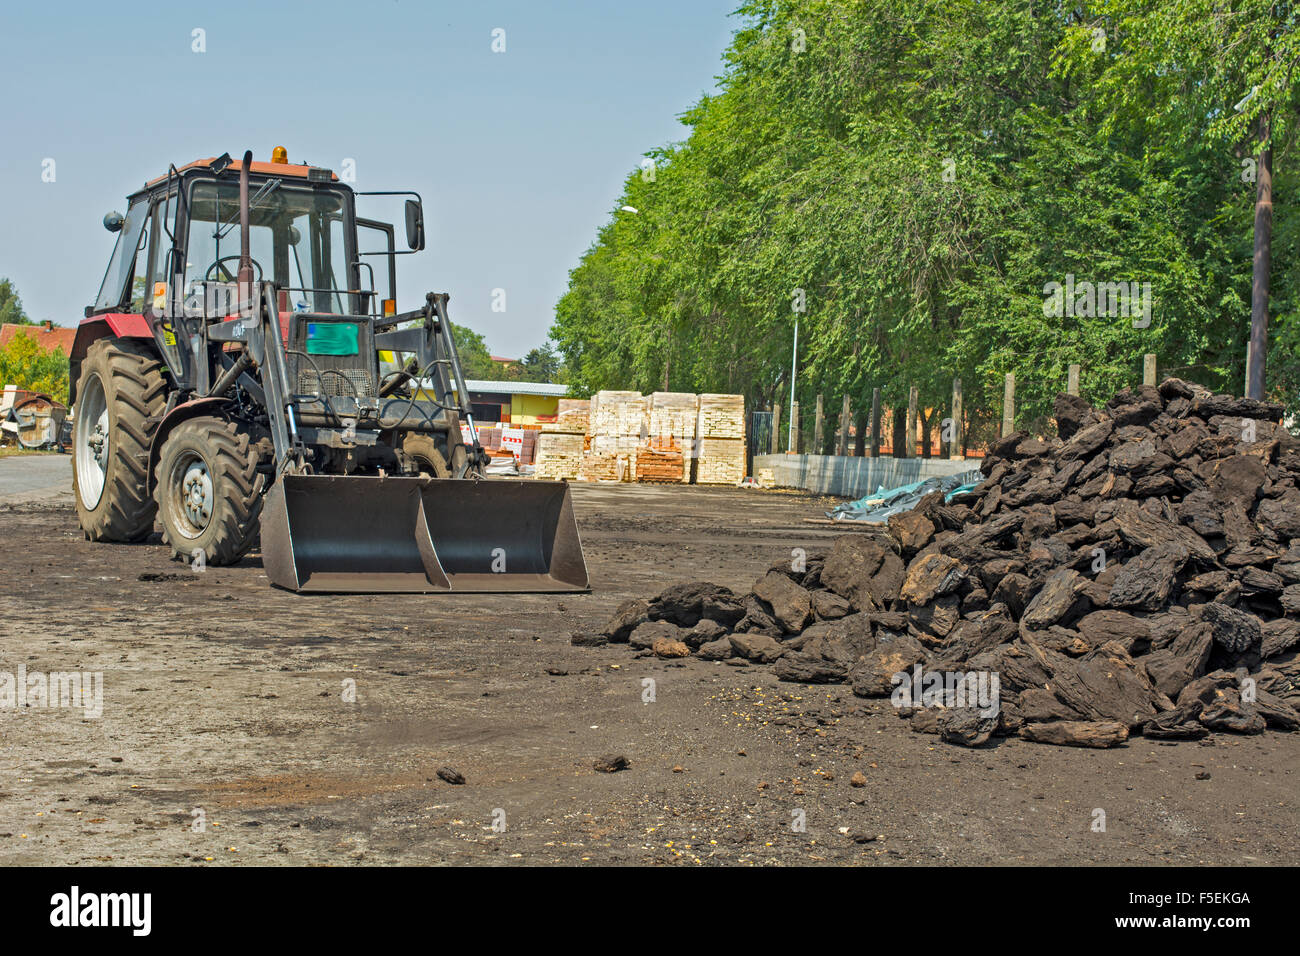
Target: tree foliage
[
  {"x": 541, "y": 364},
  {"x": 11, "y": 307},
  {"x": 475, "y": 359},
  {"x": 917, "y": 175},
  {"x": 25, "y": 364}
]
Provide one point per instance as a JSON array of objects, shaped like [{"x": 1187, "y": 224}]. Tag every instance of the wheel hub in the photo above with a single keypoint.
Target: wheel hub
[
  {"x": 196, "y": 494},
  {"x": 98, "y": 442},
  {"x": 91, "y": 442}
]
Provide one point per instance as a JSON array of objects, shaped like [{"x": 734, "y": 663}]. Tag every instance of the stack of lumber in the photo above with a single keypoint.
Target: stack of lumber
[
  {"x": 573, "y": 417},
  {"x": 617, "y": 414},
  {"x": 722, "y": 416},
  {"x": 671, "y": 421},
  {"x": 559, "y": 456},
  {"x": 672, "y": 415},
  {"x": 618, "y": 426},
  {"x": 601, "y": 467},
  {"x": 561, "y": 443},
  {"x": 720, "y": 448},
  {"x": 661, "y": 461}
]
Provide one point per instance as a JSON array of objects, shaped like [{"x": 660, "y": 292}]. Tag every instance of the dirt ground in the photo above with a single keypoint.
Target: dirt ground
[{"x": 226, "y": 739}]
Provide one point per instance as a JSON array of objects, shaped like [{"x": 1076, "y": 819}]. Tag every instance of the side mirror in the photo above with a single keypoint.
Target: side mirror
[
  {"x": 114, "y": 221},
  {"x": 414, "y": 225}
]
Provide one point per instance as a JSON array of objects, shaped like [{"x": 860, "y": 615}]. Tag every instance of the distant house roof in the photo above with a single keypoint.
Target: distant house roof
[
  {"x": 503, "y": 361},
  {"x": 517, "y": 388},
  {"x": 47, "y": 336}
]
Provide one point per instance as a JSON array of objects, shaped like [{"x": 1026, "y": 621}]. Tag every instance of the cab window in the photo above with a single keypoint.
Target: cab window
[
  {"x": 121, "y": 267},
  {"x": 297, "y": 239}
]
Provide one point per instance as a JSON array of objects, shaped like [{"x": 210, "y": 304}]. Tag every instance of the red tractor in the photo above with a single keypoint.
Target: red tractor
[{"x": 244, "y": 371}]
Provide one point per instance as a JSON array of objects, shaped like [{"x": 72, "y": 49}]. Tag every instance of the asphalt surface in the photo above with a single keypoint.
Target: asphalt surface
[{"x": 32, "y": 478}]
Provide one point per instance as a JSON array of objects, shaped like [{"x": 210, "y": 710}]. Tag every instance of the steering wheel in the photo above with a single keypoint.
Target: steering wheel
[{"x": 230, "y": 276}]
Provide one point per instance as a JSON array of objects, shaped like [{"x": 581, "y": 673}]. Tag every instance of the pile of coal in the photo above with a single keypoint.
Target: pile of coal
[{"x": 1138, "y": 574}]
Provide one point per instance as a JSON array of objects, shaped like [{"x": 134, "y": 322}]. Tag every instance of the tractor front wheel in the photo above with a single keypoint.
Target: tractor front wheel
[
  {"x": 425, "y": 456},
  {"x": 208, "y": 491},
  {"x": 120, "y": 393}
]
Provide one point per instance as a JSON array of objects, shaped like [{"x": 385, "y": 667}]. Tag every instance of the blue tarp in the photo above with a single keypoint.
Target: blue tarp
[{"x": 885, "y": 502}]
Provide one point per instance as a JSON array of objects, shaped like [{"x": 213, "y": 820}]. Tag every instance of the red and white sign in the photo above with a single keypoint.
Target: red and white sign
[{"x": 512, "y": 440}]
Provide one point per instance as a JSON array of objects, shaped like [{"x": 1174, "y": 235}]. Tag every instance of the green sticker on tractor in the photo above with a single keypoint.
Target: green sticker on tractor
[{"x": 332, "y": 338}]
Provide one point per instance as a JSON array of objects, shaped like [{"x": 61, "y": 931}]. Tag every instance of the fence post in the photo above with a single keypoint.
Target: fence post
[
  {"x": 875, "y": 423},
  {"x": 909, "y": 446},
  {"x": 842, "y": 448},
  {"x": 818, "y": 447},
  {"x": 795, "y": 435},
  {"x": 1148, "y": 369},
  {"x": 954, "y": 446},
  {"x": 775, "y": 445},
  {"x": 1072, "y": 380},
  {"x": 1009, "y": 405}
]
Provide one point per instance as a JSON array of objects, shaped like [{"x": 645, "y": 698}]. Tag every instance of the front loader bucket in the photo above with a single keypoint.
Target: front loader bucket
[
  {"x": 365, "y": 534},
  {"x": 504, "y": 535}
]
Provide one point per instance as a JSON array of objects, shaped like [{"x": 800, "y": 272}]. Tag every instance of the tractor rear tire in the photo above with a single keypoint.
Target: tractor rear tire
[
  {"x": 121, "y": 393},
  {"x": 426, "y": 456},
  {"x": 209, "y": 491}
]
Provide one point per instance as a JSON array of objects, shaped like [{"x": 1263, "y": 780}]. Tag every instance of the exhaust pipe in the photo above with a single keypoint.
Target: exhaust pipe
[{"x": 245, "y": 277}]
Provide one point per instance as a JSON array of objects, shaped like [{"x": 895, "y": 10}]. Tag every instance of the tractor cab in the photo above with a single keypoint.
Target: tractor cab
[
  {"x": 195, "y": 243},
  {"x": 182, "y": 231}
]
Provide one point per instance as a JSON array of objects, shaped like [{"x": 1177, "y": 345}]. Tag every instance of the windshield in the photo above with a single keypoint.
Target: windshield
[
  {"x": 297, "y": 239},
  {"x": 122, "y": 266}
]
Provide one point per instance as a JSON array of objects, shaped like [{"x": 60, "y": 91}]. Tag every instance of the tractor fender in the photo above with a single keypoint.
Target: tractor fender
[
  {"x": 119, "y": 325},
  {"x": 181, "y": 413}
]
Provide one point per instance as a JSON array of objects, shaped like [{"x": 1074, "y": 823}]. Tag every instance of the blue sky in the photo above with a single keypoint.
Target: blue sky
[{"x": 520, "y": 156}]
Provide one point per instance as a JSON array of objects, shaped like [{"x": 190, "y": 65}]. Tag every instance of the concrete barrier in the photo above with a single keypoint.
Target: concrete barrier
[{"x": 855, "y": 477}]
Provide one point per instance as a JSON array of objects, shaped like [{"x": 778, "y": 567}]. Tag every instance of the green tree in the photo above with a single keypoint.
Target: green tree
[
  {"x": 475, "y": 359},
  {"x": 11, "y": 307},
  {"x": 23, "y": 363},
  {"x": 910, "y": 178},
  {"x": 541, "y": 364}
]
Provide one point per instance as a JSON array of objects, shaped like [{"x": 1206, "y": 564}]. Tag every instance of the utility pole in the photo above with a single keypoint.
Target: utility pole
[
  {"x": 1009, "y": 404},
  {"x": 794, "y": 362},
  {"x": 818, "y": 448}
]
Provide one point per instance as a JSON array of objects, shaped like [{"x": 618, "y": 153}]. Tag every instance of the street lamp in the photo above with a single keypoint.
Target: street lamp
[{"x": 794, "y": 364}]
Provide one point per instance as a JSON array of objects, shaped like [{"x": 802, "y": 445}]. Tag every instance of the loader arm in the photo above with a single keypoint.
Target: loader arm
[{"x": 438, "y": 302}]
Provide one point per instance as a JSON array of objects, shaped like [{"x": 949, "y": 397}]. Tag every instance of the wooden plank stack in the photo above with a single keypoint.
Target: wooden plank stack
[
  {"x": 599, "y": 467},
  {"x": 573, "y": 417},
  {"x": 663, "y": 438},
  {"x": 671, "y": 420},
  {"x": 616, "y": 431},
  {"x": 561, "y": 443},
  {"x": 617, "y": 414},
  {"x": 720, "y": 448},
  {"x": 559, "y": 456},
  {"x": 661, "y": 461},
  {"x": 721, "y": 416}
]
